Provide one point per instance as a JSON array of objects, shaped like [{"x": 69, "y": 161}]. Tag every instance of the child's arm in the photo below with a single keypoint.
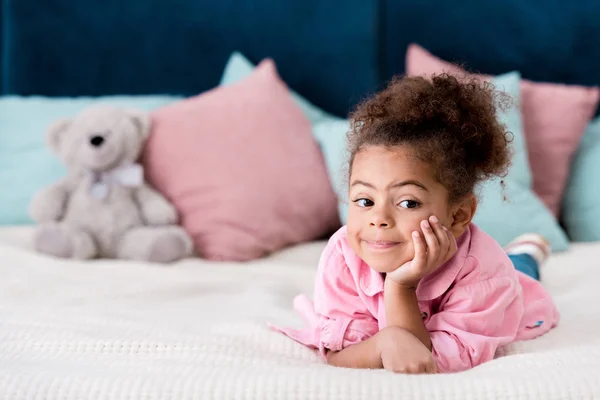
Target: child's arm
[
  {"x": 338, "y": 319},
  {"x": 342, "y": 326},
  {"x": 392, "y": 348},
  {"x": 402, "y": 310},
  {"x": 365, "y": 354},
  {"x": 401, "y": 305}
]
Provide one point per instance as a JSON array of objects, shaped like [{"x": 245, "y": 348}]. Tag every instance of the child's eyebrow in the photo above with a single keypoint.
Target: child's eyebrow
[
  {"x": 359, "y": 182},
  {"x": 409, "y": 182},
  {"x": 394, "y": 185}
]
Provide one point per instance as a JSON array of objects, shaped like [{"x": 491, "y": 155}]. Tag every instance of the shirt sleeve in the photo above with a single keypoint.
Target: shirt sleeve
[
  {"x": 343, "y": 317},
  {"x": 474, "y": 321}
]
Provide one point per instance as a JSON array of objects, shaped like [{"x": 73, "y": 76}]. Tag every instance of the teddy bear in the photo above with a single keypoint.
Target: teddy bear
[{"x": 103, "y": 208}]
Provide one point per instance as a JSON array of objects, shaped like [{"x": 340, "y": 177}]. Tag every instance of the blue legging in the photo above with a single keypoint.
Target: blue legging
[{"x": 526, "y": 264}]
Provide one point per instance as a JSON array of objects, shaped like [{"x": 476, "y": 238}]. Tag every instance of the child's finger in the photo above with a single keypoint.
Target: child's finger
[
  {"x": 441, "y": 235},
  {"x": 420, "y": 259},
  {"x": 433, "y": 247},
  {"x": 431, "y": 368}
]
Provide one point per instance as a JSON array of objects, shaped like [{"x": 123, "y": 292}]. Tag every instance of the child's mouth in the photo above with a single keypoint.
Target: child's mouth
[{"x": 380, "y": 244}]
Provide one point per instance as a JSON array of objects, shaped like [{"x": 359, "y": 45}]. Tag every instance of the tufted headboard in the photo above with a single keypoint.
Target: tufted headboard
[{"x": 332, "y": 52}]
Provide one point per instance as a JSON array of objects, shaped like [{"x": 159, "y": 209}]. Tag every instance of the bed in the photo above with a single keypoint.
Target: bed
[{"x": 197, "y": 330}]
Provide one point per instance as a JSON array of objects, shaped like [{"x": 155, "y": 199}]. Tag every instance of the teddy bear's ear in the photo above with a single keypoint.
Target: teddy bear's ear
[
  {"x": 55, "y": 133},
  {"x": 142, "y": 122}
]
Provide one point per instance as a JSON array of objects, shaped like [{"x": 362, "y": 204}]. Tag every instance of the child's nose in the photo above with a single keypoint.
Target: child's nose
[
  {"x": 380, "y": 224},
  {"x": 381, "y": 220}
]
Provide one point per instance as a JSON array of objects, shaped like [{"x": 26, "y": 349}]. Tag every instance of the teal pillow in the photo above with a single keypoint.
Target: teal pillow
[
  {"x": 581, "y": 203},
  {"x": 504, "y": 220},
  {"x": 26, "y": 163},
  {"x": 330, "y": 133},
  {"x": 505, "y": 214}
]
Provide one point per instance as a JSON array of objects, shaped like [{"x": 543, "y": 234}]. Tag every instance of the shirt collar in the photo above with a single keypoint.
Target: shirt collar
[{"x": 431, "y": 286}]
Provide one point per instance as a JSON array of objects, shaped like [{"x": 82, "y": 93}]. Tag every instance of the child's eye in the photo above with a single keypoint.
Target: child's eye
[
  {"x": 364, "y": 203},
  {"x": 409, "y": 204}
]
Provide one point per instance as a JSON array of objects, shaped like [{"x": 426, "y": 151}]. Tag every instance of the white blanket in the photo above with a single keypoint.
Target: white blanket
[{"x": 196, "y": 330}]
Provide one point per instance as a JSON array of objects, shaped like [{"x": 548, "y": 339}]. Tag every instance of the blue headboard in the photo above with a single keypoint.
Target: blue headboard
[
  {"x": 550, "y": 40},
  {"x": 323, "y": 49},
  {"x": 332, "y": 52}
]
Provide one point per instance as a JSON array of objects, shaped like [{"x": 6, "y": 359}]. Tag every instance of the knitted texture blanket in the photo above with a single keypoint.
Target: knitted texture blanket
[{"x": 197, "y": 330}]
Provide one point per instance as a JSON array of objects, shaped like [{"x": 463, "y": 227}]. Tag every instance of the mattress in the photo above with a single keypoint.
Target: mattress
[{"x": 197, "y": 330}]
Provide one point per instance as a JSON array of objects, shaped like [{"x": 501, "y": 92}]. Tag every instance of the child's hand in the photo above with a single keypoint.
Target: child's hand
[
  {"x": 402, "y": 352},
  {"x": 439, "y": 247}
]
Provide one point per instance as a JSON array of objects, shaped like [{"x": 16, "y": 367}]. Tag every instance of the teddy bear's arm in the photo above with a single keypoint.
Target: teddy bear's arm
[
  {"x": 155, "y": 209},
  {"x": 49, "y": 203}
]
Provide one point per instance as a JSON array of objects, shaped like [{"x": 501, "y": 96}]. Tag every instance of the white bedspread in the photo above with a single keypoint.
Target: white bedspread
[{"x": 196, "y": 330}]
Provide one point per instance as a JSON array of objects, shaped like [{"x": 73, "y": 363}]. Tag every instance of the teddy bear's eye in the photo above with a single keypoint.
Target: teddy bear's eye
[{"x": 96, "y": 139}]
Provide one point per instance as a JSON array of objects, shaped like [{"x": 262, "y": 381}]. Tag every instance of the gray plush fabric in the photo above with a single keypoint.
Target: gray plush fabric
[{"x": 104, "y": 208}]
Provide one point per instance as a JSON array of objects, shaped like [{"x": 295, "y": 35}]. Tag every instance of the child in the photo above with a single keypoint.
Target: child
[{"x": 411, "y": 284}]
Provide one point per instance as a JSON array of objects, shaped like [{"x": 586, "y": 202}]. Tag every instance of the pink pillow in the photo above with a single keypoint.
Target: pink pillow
[
  {"x": 555, "y": 117},
  {"x": 242, "y": 168}
]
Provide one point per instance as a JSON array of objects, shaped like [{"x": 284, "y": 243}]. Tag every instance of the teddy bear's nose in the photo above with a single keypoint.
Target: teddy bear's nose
[{"x": 96, "y": 140}]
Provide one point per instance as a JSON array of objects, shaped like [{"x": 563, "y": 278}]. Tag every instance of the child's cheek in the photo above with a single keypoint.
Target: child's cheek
[
  {"x": 413, "y": 225},
  {"x": 410, "y": 251}
]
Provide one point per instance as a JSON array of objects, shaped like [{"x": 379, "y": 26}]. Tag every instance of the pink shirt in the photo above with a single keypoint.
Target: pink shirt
[{"x": 472, "y": 305}]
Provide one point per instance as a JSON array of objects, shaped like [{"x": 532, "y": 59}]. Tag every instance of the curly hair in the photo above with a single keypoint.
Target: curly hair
[{"x": 450, "y": 124}]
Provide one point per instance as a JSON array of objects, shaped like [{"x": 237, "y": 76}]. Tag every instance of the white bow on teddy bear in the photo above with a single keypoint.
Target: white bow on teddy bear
[{"x": 130, "y": 175}]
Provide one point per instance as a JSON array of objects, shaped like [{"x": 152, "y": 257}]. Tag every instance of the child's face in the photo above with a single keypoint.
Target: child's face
[{"x": 391, "y": 192}]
